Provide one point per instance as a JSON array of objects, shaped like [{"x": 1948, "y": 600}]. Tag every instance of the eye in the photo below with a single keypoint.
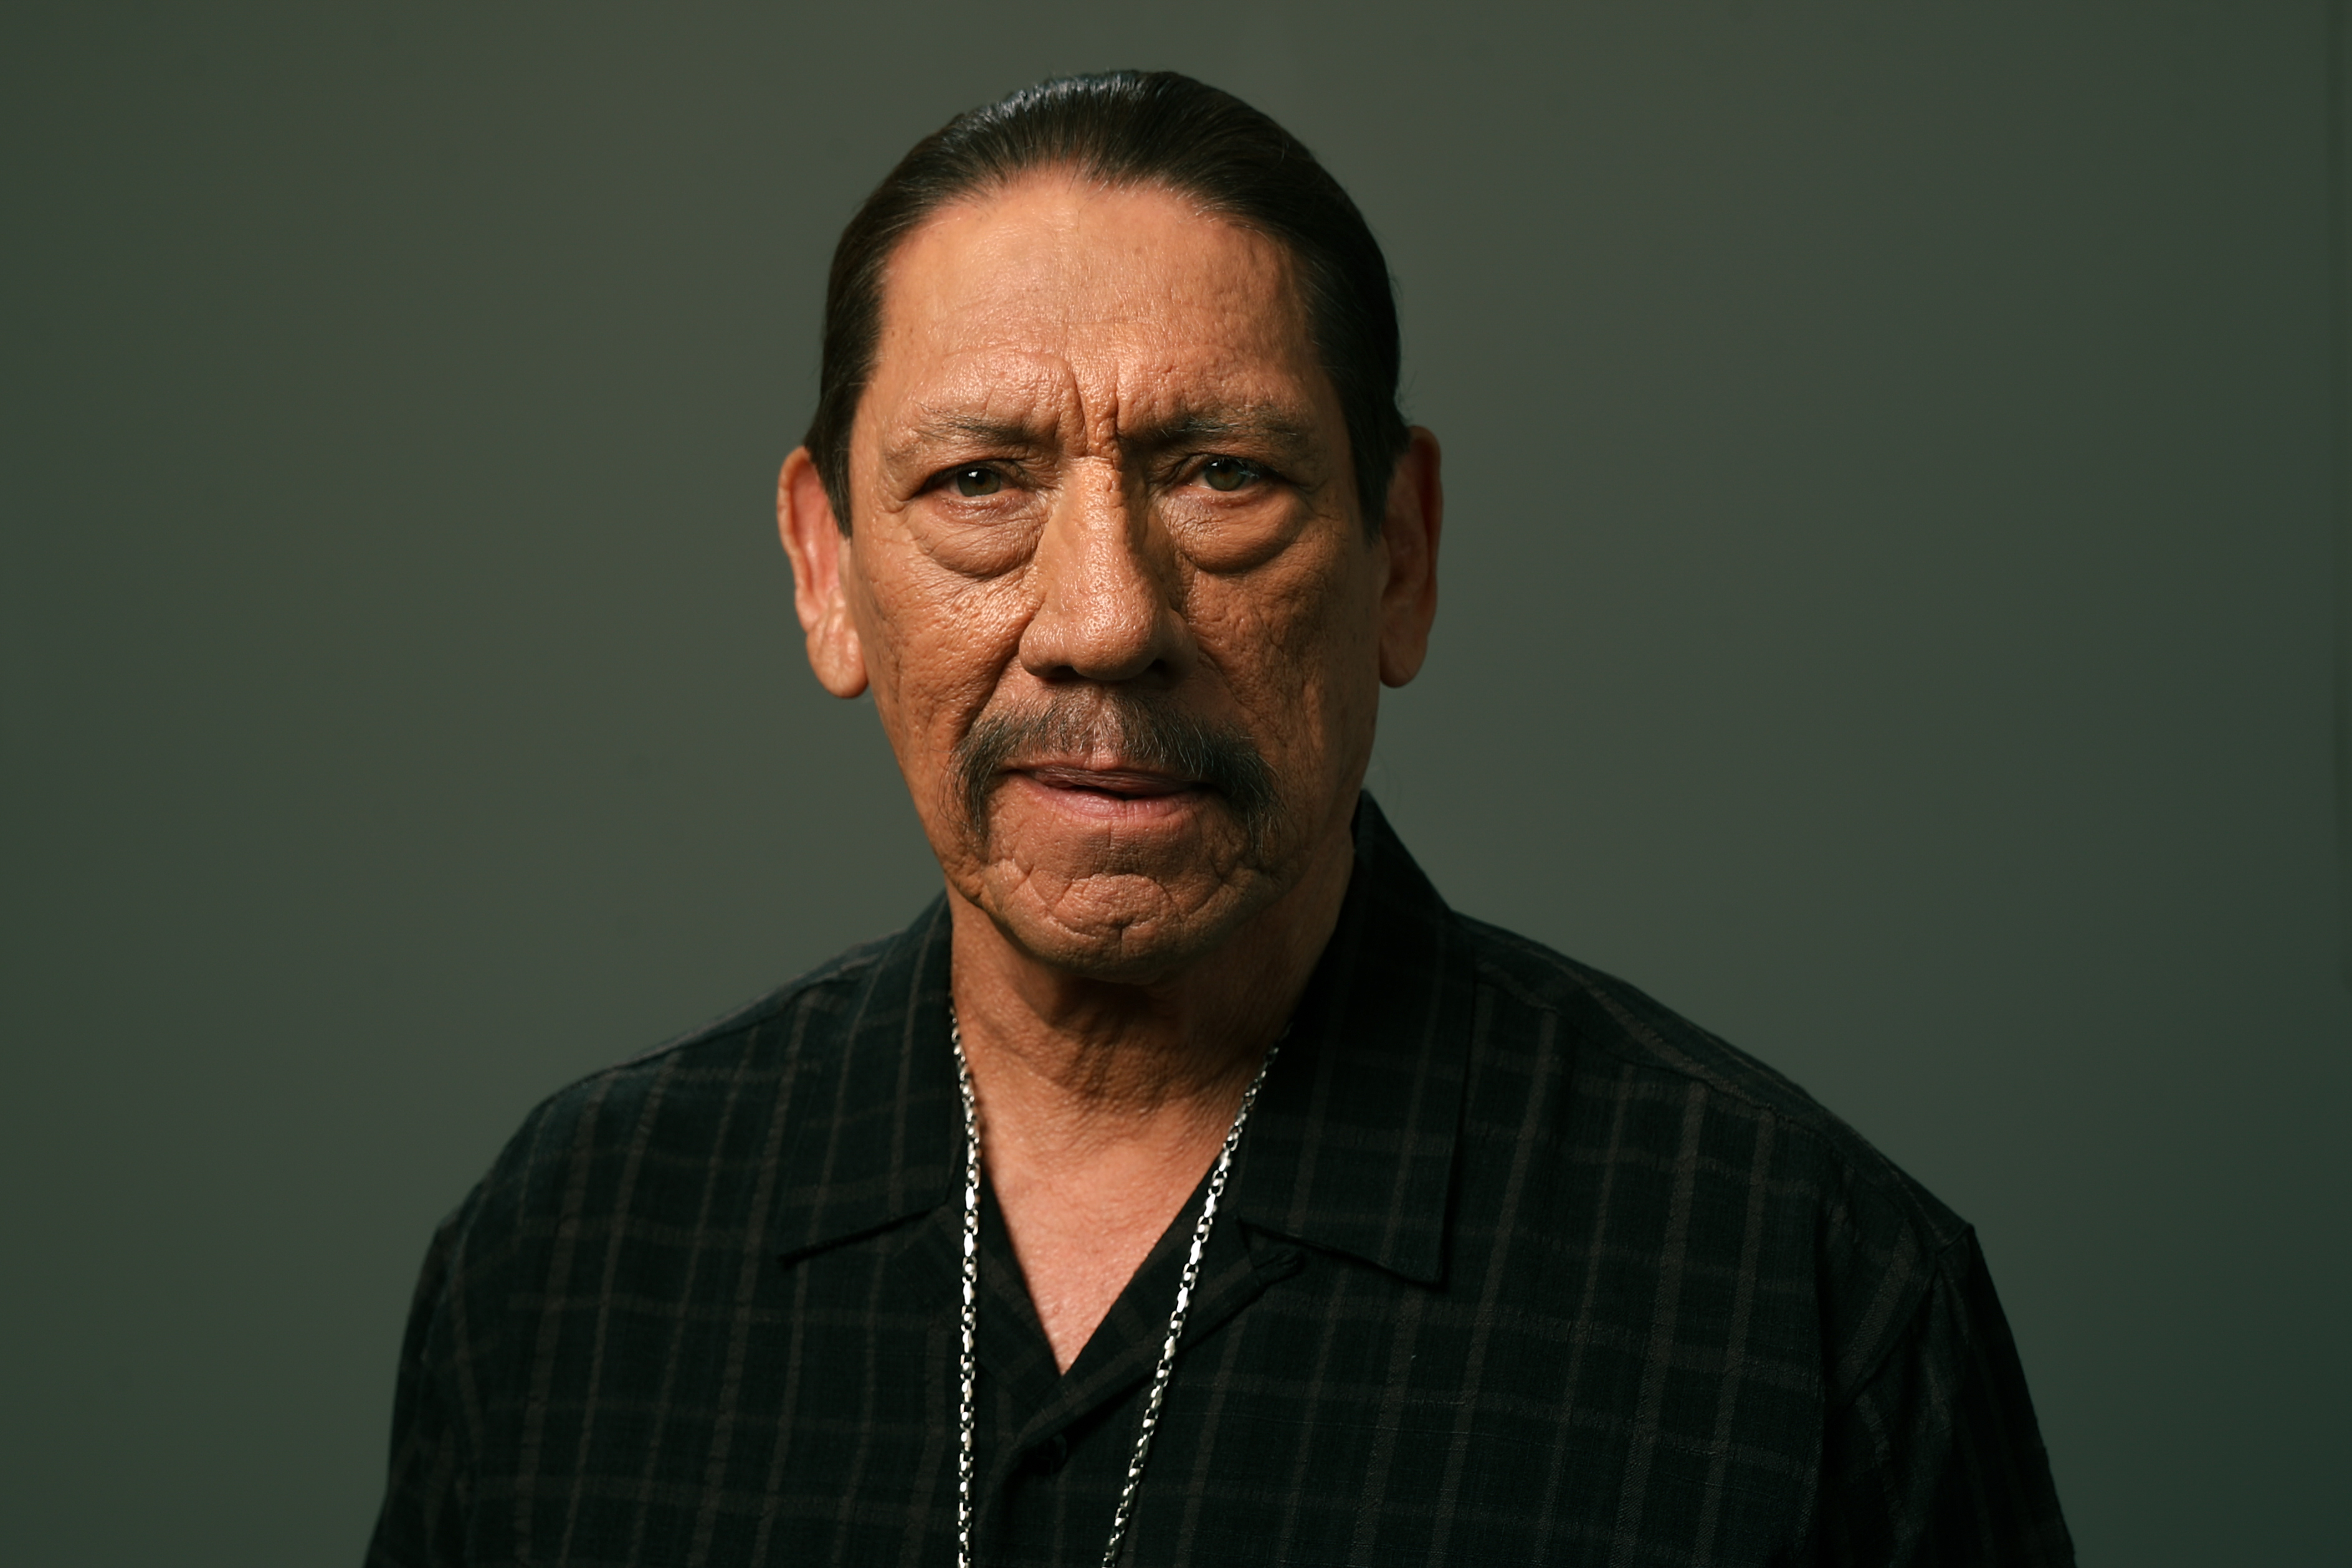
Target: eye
[
  {"x": 1229, "y": 472},
  {"x": 977, "y": 481}
]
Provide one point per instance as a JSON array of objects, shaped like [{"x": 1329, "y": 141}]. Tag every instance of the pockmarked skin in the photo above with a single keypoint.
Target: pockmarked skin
[{"x": 1099, "y": 452}]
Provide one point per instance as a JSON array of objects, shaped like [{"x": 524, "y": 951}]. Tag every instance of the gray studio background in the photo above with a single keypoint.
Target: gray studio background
[{"x": 1887, "y": 614}]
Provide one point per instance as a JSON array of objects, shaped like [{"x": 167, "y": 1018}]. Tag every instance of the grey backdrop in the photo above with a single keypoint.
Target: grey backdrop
[{"x": 1887, "y": 614}]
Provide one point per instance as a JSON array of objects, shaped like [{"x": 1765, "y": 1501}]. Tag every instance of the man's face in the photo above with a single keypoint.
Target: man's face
[{"x": 1122, "y": 620}]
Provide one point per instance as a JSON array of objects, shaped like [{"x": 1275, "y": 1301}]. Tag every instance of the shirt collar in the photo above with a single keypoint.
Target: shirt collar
[{"x": 1350, "y": 1148}]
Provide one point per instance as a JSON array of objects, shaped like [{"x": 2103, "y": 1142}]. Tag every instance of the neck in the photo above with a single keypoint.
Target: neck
[{"x": 1101, "y": 1103}]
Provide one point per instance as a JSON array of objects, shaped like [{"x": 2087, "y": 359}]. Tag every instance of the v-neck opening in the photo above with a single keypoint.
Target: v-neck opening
[
  {"x": 1124, "y": 1349},
  {"x": 1156, "y": 1276}
]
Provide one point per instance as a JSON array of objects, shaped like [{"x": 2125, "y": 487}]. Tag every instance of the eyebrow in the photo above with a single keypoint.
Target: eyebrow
[
  {"x": 949, "y": 429},
  {"x": 1273, "y": 427}
]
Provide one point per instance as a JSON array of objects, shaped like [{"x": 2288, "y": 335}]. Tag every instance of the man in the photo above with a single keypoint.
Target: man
[{"x": 1189, "y": 1184}]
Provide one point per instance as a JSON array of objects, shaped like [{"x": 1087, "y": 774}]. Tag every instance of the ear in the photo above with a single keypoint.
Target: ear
[
  {"x": 820, "y": 554},
  {"x": 1409, "y": 531}
]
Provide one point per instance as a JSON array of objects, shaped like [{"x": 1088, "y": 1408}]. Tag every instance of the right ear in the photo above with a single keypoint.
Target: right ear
[{"x": 820, "y": 553}]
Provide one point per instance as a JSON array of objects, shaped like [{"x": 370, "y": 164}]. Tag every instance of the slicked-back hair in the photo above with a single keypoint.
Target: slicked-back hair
[{"x": 1127, "y": 129}]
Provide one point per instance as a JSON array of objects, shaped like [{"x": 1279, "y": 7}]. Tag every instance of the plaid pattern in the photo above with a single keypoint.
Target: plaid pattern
[{"x": 1516, "y": 1267}]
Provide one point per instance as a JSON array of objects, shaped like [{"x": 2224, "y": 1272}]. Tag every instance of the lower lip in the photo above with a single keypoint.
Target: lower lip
[{"x": 1069, "y": 793}]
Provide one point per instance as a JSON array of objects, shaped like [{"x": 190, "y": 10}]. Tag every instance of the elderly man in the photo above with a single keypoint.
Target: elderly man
[{"x": 1188, "y": 1184}]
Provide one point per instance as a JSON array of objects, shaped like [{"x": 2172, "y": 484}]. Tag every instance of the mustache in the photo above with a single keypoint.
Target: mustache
[{"x": 1139, "y": 728}]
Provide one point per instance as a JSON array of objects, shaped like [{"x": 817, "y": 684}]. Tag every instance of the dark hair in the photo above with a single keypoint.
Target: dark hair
[{"x": 1133, "y": 127}]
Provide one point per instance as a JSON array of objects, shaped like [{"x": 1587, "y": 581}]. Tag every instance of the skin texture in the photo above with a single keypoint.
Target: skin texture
[{"x": 1098, "y": 470}]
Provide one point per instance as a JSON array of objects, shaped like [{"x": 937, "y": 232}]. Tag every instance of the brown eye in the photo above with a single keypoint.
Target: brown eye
[
  {"x": 978, "y": 481},
  {"x": 1227, "y": 473}
]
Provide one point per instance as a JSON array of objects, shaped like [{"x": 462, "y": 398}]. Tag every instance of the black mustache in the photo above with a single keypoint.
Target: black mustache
[{"x": 1146, "y": 731}]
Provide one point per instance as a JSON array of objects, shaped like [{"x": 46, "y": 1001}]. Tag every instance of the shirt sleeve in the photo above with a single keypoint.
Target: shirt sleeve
[
  {"x": 1936, "y": 1461},
  {"x": 422, "y": 1522}
]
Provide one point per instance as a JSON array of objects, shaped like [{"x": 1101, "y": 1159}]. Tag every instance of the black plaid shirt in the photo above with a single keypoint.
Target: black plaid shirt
[{"x": 1516, "y": 1267}]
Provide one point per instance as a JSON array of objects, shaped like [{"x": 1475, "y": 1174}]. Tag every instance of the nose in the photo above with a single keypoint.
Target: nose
[{"x": 1106, "y": 590}]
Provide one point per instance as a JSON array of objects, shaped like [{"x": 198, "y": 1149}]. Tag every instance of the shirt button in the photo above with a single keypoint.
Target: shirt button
[{"x": 1050, "y": 1454}]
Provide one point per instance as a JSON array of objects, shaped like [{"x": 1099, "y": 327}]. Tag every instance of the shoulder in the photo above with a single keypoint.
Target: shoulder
[
  {"x": 1635, "y": 1033},
  {"x": 756, "y": 1045},
  {"x": 713, "y": 1100},
  {"x": 1648, "y": 1092}
]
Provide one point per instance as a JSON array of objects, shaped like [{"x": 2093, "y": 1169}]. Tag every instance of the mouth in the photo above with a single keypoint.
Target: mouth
[
  {"x": 1108, "y": 784},
  {"x": 1112, "y": 761}
]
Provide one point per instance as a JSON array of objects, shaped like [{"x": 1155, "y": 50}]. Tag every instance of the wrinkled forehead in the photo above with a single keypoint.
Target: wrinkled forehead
[{"x": 1061, "y": 292}]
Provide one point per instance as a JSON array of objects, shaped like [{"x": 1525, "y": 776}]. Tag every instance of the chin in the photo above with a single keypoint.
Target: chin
[{"x": 1123, "y": 929}]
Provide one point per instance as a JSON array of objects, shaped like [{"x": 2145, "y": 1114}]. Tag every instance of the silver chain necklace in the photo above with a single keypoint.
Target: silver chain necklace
[{"x": 970, "y": 1369}]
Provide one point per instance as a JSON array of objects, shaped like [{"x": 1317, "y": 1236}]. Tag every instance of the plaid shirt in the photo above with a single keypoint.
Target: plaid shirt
[{"x": 1515, "y": 1267}]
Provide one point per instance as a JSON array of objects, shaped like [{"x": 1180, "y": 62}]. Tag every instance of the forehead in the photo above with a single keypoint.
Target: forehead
[{"x": 1057, "y": 286}]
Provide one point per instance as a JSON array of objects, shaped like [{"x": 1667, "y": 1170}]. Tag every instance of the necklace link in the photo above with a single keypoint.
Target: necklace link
[{"x": 969, "y": 1371}]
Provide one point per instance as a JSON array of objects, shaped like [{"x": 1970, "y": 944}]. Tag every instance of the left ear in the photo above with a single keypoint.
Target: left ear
[{"x": 1409, "y": 530}]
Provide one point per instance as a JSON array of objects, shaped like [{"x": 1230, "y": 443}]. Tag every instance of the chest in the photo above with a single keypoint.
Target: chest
[{"x": 1322, "y": 1412}]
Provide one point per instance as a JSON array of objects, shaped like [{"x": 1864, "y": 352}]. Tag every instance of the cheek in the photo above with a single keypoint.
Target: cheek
[
  {"x": 938, "y": 643},
  {"x": 1299, "y": 650}
]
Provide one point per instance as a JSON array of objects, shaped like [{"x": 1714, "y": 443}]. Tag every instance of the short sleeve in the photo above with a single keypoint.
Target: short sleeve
[{"x": 1935, "y": 1460}]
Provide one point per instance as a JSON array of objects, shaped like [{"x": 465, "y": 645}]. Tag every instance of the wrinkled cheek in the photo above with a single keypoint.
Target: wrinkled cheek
[
  {"x": 894, "y": 664},
  {"x": 945, "y": 654},
  {"x": 1318, "y": 691}
]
